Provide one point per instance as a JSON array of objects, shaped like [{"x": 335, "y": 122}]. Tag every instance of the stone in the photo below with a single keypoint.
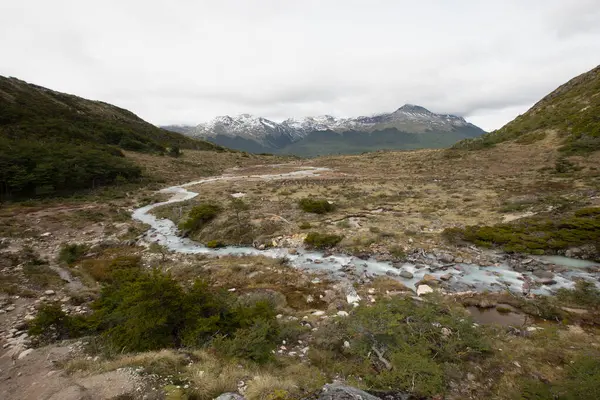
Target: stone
[
  {"x": 446, "y": 332},
  {"x": 49, "y": 292},
  {"x": 25, "y": 353},
  {"x": 230, "y": 396},
  {"x": 429, "y": 278},
  {"x": 337, "y": 391},
  {"x": 10, "y": 308},
  {"x": 547, "y": 281},
  {"x": 424, "y": 289},
  {"x": 540, "y": 273},
  {"x": 342, "y": 314},
  {"x": 406, "y": 274},
  {"x": 446, "y": 277},
  {"x": 446, "y": 258}
]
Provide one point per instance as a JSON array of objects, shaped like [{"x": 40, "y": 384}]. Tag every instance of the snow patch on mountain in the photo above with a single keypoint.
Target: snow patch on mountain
[{"x": 408, "y": 118}]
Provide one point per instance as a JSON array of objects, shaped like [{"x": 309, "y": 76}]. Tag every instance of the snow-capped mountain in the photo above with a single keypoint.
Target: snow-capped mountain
[{"x": 257, "y": 134}]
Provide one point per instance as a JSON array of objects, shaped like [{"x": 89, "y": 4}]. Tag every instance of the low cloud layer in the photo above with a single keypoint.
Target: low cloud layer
[{"x": 188, "y": 61}]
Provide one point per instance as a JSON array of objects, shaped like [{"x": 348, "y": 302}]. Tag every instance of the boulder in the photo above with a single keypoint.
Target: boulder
[
  {"x": 540, "y": 273},
  {"x": 424, "y": 289},
  {"x": 446, "y": 277},
  {"x": 547, "y": 281},
  {"x": 337, "y": 391},
  {"x": 406, "y": 274},
  {"x": 429, "y": 278},
  {"x": 446, "y": 258}
]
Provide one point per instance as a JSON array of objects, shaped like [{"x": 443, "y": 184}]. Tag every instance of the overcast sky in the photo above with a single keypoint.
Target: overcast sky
[{"x": 187, "y": 61}]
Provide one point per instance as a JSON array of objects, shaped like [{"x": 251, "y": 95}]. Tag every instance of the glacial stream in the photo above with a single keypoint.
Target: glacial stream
[{"x": 347, "y": 268}]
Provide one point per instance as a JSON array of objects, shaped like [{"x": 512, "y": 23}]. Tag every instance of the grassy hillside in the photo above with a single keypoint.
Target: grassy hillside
[
  {"x": 572, "y": 111},
  {"x": 52, "y": 142}
]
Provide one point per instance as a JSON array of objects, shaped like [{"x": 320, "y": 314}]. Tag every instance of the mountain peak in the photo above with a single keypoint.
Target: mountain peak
[{"x": 413, "y": 108}]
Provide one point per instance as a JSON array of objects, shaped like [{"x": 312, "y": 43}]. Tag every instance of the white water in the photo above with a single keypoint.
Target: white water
[{"x": 464, "y": 276}]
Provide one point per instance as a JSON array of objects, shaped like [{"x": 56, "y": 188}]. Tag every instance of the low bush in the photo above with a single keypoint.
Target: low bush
[
  {"x": 534, "y": 235},
  {"x": 305, "y": 225},
  {"x": 401, "y": 345},
  {"x": 322, "y": 240},
  {"x": 199, "y": 216},
  {"x": 584, "y": 294},
  {"x": 52, "y": 323},
  {"x": 316, "y": 206},
  {"x": 215, "y": 244},
  {"x": 71, "y": 253},
  {"x": 140, "y": 310}
]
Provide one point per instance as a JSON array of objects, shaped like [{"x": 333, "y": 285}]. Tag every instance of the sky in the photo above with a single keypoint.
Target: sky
[{"x": 188, "y": 61}]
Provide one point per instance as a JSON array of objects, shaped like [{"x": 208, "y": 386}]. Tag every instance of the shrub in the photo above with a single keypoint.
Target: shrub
[
  {"x": 141, "y": 311},
  {"x": 322, "y": 240},
  {"x": 255, "y": 342},
  {"x": 71, "y": 253},
  {"x": 584, "y": 294},
  {"x": 316, "y": 206},
  {"x": 398, "y": 344},
  {"x": 215, "y": 244},
  {"x": 305, "y": 225},
  {"x": 398, "y": 252},
  {"x": 199, "y": 216},
  {"x": 535, "y": 234},
  {"x": 52, "y": 323}
]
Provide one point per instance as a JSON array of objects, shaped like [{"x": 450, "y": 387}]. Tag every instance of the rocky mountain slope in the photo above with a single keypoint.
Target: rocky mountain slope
[
  {"x": 572, "y": 111},
  {"x": 310, "y": 136}
]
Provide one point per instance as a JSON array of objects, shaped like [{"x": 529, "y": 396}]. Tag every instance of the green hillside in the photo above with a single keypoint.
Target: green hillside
[
  {"x": 572, "y": 111},
  {"x": 52, "y": 142}
]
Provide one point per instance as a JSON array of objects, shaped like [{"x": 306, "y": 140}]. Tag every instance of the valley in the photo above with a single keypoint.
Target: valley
[{"x": 459, "y": 273}]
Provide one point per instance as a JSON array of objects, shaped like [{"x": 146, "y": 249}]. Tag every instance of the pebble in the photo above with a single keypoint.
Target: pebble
[{"x": 49, "y": 292}]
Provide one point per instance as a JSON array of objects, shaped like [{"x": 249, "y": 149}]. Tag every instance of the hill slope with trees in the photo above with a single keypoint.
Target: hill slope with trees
[{"x": 52, "y": 142}]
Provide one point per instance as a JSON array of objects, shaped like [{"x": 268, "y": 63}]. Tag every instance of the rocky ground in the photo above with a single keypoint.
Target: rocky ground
[{"x": 386, "y": 201}]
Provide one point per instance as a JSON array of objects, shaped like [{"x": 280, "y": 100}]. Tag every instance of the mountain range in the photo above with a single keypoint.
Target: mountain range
[{"x": 409, "y": 127}]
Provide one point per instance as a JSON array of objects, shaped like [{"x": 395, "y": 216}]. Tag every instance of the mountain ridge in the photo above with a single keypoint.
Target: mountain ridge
[{"x": 240, "y": 131}]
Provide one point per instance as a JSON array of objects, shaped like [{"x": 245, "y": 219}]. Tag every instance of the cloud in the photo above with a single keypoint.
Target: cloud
[{"x": 188, "y": 61}]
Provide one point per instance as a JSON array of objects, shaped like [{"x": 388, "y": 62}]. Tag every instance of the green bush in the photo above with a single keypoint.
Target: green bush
[
  {"x": 584, "y": 294},
  {"x": 534, "y": 235},
  {"x": 215, "y": 244},
  {"x": 71, "y": 253},
  {"x": 401, "y": 345},
  {"x": 199, "y": 216},
  {"x": 322, "y": 240},
  {"x": 51, "y": 324},
  {"x": 316, "y": 206},
  {"x": 256, "y": 342},
  {"x": 141, "y": 311}
]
